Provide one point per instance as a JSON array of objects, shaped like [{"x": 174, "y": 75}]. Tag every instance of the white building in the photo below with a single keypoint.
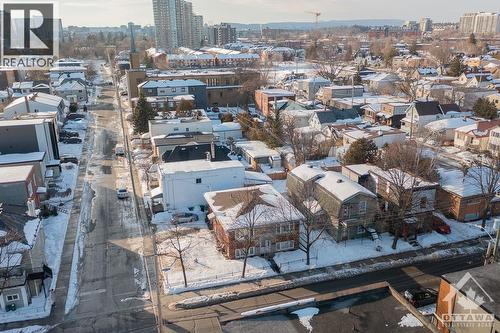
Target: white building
[
  {"x": 183, "y": 184},
  {"x": 36, "y": 103},
  {"x": 227, "y": 130},
  {"x": 199, "y": 124},
  {"x": 480, "y": 23}
]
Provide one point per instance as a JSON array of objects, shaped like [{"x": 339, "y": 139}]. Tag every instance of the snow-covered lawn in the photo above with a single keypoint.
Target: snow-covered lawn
[
  {"x": 205, "y": 265},
  {"x": 327, "y": 252}
]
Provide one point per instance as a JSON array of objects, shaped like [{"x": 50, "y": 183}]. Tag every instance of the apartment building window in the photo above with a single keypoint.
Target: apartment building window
[
  {"x": 198, "y": 180},
  {"x": 176, "y": 129},
  {"x": 174, "y": 90},
  {"x": 283, "y": 228},
  {"x": 13, "y": 297},
  {"x": 362, "y": 207},
  {"x": 282, "y": 246}
]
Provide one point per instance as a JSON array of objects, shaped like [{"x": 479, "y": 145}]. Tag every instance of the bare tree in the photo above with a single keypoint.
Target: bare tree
[
  {"x": 315, "y": 219},
  {"x": 180, "y": 243},
  {"x": 10, "y": 255},
  {"x": 442, "y": 55},
  {"x": 409, "y": 85},
  {"x": 404, "y": 167},
  {"x": 330, "y": 69},
  {"x": 485, "y": 175},
  {"x": 252, "y": 213}
]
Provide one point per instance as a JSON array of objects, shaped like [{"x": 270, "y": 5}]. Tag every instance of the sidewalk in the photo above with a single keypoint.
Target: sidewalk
[{"x": 340, "y": 271}]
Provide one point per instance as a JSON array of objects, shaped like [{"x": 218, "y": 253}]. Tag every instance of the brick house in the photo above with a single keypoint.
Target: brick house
[
  {"x": 461, "y": 197},
  {"x": 18, "y": 185},
  {"x": 475, "y": 137},
  {"x": 263, "y": 99},
  {"x": 350, "y": 207},
  {"x": 273, "y": 221}
]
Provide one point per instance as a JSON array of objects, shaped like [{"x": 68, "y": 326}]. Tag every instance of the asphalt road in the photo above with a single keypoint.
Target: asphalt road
[
  {"x": 425, "y": 274},
  {"x": 112, "y": 282}
]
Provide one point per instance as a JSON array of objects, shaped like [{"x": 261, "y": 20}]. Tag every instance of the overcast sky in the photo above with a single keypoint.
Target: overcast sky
[{"x": 118, "y": 12}]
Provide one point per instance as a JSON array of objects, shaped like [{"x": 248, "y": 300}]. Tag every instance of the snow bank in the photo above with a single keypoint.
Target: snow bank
[
  {"x": 305, "y": 316},
  {"x": 410, "y": 321}
]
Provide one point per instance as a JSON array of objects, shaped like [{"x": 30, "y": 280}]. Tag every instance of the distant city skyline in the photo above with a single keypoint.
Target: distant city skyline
[{"x": 119, "y": 12}]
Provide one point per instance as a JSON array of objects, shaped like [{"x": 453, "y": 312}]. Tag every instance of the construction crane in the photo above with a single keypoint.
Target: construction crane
[{"x": 317, "y": 15}]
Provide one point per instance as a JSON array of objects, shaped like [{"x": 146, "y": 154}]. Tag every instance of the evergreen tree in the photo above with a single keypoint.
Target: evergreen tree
[
  {"x": 148, "y": 61},
  {"x": 485, "y": 109},
  {"x": 245, "y": 120},
  {"x": 361, "y": 151},
  {"x": 456, "y": 67},
  {"x": 141, "y": 115},
  {"x": 275, "y": 136},
  {"x": 472, "y": 39}
]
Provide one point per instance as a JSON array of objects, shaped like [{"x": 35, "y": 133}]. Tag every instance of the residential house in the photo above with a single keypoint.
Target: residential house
[
  {"x": 35, "y": 159},
  {"x": 72, "y": 90},
  {"x": 22, "y": 264},
  {"x": 36, "y": 103},
  {"x": 169, "y": 89},
  {"x": 263, "y": 99},
  {"x": 495, "y": 99},
  {"x": 258, "y": 216},
  {"x": 444, "y": 129},
  {"x": 196, "y": 151},
  {"x": 322, "y": 119},
  {"x": 74, "y": 70},
  {"x": 326, "y": 94},
  {"x": 308, "y": 88},
  {"x": 423, "y": 112},
  {"x": 390, "y": 113},
  {"x": 24, "y": 136},
  {"x": 475, "y": 80},
  {"x": 350, "y": 207},
  {"x": 382, "y": 82},
  {"x": 476, "y": 136},
  {"x": 19, "y": 186},
  {"x": 226, "y": 131},
  {"x": 494, "y": 141},
  {"x": 380, "y": 135},
  {"x": 25, "y": 88},
  {"x": 470, "y": 292},
  {"x": 461, "y": 197},
  {"x": 182, "y": 184},
  {"x": 164, "y": 143},
  {"x": 170, "y": 123},
  {"x": 389, "y": 184},
  {"x": 258, "y": 155}
]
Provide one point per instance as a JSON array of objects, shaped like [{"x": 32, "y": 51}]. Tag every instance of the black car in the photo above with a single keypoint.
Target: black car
[
  {"x": 72, "y": 140},
  {"x": 419, "y": 297},
  {"x": 68, "y": 134},
  {"x": 69, "y": 159}
]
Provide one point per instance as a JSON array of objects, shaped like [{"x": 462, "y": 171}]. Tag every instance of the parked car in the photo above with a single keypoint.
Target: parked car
[
  {"x": 69, "y": 159},
  {"x": 72, "y": 140},
  {"x": 419, "y": 297},
  {"x": 119, "y": 150},
  {"x": 67, "y": 134},
  {"x": 178, "y": 218},
  {"x": 440, "y": 226},
  {"x": 122, "y": 192}
]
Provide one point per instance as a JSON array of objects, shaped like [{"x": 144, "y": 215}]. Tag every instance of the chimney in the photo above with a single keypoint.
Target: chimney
[{"x": 212, "y": 149}]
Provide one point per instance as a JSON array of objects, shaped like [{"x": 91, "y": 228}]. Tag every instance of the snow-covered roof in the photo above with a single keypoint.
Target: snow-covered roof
[
  {"x": 228, "y": 126},
  {"x": 38, "y": 97},
  {"x": 360, "y": 169},
  {"x": 307, "y": 172},
  {"x": 257, "y": 205},
  {"x": 21, "y": 158},
  {"x": 454, "y": 181},
  {"x": 255, "y": 178},
  {"x": 71, "y": 85},
  {"x": 197, "y": 166},
  {"x": 402, "y": 178},
  {"x": 449, "y": 123},
  {"x": 342, "y": 187},
  {"x": 170, "y": 83},
  {"x": 256, "y": 149},
  {"x": 12, "y": 174},
  {"x": 277, "y": 92}
]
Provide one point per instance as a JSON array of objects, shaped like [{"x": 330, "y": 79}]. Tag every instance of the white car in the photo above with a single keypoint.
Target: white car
[{"x": 122, "y": 192}]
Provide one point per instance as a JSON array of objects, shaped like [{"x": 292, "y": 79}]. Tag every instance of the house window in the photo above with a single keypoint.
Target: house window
[
  {"x": 174, "y": 90},
  {"x": 345, "y": 211},
  {"x": 360, "y": 230},
  {"x": 13, "y": 297},
  {"x": 198, "y": 180},
  {"x": 423, "y": 202},
  {"x": 240, "y": 253},
  {"x": 282, "y": 246},
  {"x": 176, "y": 129},
  {"x": 283, "y": 228},
  {"x": 265, "y": 243},
  {"x": 362, "y": 207},
  {"x": 242, "y": 234},
  {"x": 187, "y": 129}
]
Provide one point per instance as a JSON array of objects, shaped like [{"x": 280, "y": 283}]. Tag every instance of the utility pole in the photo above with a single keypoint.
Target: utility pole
[{"x": 492, "y": 253}]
